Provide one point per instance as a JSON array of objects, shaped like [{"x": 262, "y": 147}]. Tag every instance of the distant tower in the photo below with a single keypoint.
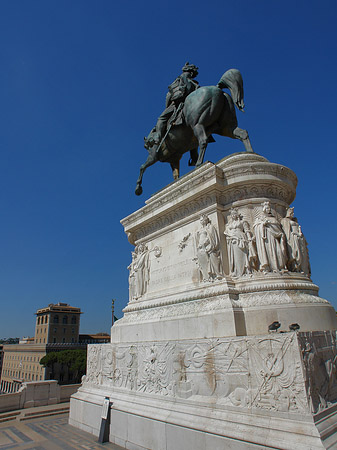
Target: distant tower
[
  {"x": 112, "y": 311},
  {"x": 58, "y": 323}
]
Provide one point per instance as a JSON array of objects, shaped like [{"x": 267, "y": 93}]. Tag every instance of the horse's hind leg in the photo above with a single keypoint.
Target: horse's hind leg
[
  {"x": 200, "y": 134},
  {"x": 151, "y": 159},
  {"x": 193, "y": 157},
  {"x": 241, "y": 134},
  {"x": 175, "y": 169}
]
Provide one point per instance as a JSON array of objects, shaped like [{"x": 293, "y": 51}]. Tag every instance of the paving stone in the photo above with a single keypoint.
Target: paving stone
[{"x": 48, "y": 433}]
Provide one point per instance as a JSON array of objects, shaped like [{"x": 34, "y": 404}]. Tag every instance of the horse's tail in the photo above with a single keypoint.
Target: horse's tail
[{"x": 232, "y": 79}]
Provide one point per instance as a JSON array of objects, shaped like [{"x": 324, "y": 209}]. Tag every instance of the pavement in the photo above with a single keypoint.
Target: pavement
[{"x": 45, "y": 429}]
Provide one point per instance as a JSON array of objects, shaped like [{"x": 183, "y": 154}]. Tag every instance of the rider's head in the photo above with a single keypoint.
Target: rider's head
[{"x": 191, "y": 68}]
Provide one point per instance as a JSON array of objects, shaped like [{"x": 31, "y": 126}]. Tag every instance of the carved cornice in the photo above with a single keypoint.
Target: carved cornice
[
  {"x": 177, "y": 309},
  {"x": 285, "y": 297},
  {"x": 174, "y": 216},
  {"x": 257, "y": 190},
  {"x": 257, "y": 283},
  {"x": 170, "y": 194},
  {"x": 204, "y": 292},
  {"x": 238, "y": 177},
  {"x": 281, "y": 172}
]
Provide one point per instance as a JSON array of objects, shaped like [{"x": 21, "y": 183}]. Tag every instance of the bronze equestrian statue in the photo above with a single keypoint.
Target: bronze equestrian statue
[{"x": 191, "y": 116}]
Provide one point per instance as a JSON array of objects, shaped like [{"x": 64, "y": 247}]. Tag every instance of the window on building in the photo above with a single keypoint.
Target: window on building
[
  {"x": 64, "y": 340},
  {"x": 64, "y": 330},
  {"x": 73, "y": 320},
  {"x": 65, "y": 320},
  {"x": 54, "y": 340},
  {"x": 38, "y": 320},
  {"x": 56, "y": 319},
  {"x": 73, "y": 330}
]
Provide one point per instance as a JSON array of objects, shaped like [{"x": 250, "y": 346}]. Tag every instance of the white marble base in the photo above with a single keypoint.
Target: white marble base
[
  {"x": 191, "y": 364},
  {"x": 138, "y": 427},
  {"x": 273, "y": 391}
]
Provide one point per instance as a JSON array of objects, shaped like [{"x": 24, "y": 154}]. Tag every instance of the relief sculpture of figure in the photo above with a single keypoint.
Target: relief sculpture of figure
[
  {"x": 208, "y": 250},
  {"x": 141, "y": 269},
  {"x": 270, "y": 241},
  {"x": 296, "y": 244},
  {"x": 240, "y": 246},
  {"x": 132, "y": 277}
]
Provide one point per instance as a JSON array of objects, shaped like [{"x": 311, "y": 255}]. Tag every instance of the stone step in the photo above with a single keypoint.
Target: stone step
[
  {"x": 37, "y": 415},
  {"x": 5, "y": 417},
  {"x": 32, "y": 413}
]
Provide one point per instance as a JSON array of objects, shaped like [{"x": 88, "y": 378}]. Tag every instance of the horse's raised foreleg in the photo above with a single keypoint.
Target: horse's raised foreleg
[
  {"x": 241, "y": 134},
  {"x": 151, "y": 159},
  {"x": 200, "y": 134}
]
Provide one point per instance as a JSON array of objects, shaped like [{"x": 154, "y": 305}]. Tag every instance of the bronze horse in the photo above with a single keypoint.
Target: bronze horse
[{"x": 206, "y": 111}]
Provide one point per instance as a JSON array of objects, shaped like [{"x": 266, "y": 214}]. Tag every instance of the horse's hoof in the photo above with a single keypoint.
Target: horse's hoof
[
  {"x": 191, "y": 162},
  {"x": 139, "y": 190}
]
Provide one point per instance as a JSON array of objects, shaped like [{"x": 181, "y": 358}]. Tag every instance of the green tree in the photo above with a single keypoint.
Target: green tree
[{"x": 74, "y": 360}]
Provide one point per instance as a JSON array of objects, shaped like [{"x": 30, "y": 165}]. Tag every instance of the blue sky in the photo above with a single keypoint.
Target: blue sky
[{"x": 83, "y": 81}]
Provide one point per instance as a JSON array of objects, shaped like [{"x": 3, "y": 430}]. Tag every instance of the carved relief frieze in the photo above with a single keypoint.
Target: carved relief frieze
[
  {"x": 268, "y": 373},
  {"x": 319, "y": 354},
  {"x": 94, "y": 365}
]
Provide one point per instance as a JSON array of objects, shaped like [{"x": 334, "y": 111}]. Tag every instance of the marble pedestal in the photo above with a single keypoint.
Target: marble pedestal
[{"x": 192, "y": 363}]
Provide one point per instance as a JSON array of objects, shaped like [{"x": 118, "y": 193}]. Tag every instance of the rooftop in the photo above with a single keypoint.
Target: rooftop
[{"x": 59, "y": 307}]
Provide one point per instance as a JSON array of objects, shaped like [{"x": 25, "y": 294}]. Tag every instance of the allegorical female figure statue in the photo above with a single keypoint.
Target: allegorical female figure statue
[
  {"x": 270, "y": 241},
  {"x": 296, "y": 244},
  {"x": 132, "y": 277},
  {"x": 208, "y": 250},
  {"x": 141, "y": 269},
  {"x": 240, "y": 247}
]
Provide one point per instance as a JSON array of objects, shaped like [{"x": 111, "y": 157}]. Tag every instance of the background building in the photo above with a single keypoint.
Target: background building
[
  {"x": 57, "y": 328},
  {"x": 58, "y": 323}
]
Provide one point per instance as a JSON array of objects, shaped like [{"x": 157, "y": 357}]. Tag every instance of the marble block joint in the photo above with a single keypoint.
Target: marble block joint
[{"x": 219, "y": 258}]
